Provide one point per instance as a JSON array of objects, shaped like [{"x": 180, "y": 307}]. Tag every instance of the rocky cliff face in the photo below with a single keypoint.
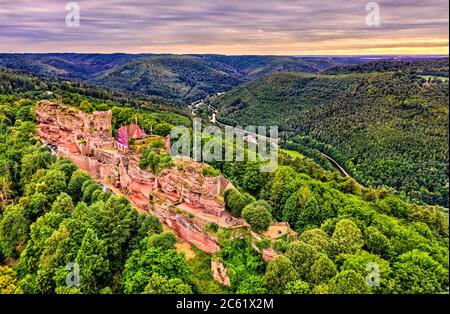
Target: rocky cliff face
[{"x": 181, "y": 196}]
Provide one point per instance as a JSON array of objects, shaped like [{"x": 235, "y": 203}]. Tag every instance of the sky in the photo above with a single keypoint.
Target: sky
[{"x": 233, "y": 27}]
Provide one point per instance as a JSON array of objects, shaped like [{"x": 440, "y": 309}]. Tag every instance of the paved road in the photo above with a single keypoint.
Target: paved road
[{"x": 333, "y": 162}]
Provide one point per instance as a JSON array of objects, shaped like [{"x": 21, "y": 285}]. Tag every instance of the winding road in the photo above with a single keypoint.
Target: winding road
[{"x": 213, "y": 119}]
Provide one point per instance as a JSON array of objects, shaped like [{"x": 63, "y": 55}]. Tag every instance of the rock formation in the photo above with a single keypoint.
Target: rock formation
[
  {"x": 181, "y": 196},
  {"x": 220, "y": 273}
]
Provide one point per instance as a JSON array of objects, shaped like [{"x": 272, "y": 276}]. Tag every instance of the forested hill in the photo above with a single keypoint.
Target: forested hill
[
  {"x": 53, "y": 215},
  {"x": 18, "y": 82},
  {"x": 434, "y": 67},
  {"x": 69, "y": 65},
  {"x": 180, "y": 77},
  {"x": 387, "y": 128}
]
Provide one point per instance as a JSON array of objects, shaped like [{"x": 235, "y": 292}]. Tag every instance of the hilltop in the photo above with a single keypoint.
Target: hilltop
[
  {"x": 387, "y": 127},
  {"x": 175, "y": 77}
]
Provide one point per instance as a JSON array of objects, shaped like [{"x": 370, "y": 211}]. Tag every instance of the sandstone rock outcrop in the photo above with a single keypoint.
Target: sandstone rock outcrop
[
  {"x": 182, "y": 197},
  {"x": 220, "y": 273}
]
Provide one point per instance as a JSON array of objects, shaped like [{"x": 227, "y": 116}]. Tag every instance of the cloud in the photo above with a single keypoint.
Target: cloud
[{"x": 216, "y": 26}]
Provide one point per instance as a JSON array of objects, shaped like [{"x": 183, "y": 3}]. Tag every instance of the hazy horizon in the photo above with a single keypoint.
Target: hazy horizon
[{"x": 436, "y": 55}]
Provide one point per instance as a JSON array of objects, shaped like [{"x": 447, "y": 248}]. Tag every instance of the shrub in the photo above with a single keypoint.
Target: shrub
[{"x": 258, "y": 215}]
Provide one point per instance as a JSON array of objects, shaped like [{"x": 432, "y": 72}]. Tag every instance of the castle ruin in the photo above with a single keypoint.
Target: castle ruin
[{"x": 181, "y": 196}]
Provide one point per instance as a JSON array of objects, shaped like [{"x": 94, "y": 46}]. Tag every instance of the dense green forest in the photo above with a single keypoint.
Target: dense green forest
[
  {"x": 429, "y": 67},
  {"x": 52, "y": 215},
  {"x": 181, "y": 78},
  {"x": 387, "y": 128},
  {"x": 170, "y": 77},
  {"x": 347, "y": 239}
]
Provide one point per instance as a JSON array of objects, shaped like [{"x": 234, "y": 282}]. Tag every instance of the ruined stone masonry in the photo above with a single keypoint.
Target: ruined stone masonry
[{"x": 182, "y": 197}]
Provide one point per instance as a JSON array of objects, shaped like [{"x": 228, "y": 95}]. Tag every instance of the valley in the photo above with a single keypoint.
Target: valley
[
  {"x": 308, "y": 227},
  {"x": 212, "y": 112},
  {"x": 383, "y": 136}
]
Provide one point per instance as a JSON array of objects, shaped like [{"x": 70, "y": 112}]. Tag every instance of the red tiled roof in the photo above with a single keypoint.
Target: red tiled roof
[{"x": 134, "y": 131}]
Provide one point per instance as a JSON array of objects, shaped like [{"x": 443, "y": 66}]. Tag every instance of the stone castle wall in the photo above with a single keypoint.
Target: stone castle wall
[{"x": 186, "y": 199}]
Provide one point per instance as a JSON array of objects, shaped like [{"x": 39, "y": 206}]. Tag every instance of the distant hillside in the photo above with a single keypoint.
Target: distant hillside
[
  {"x": 179, "y": 77},
  {"x": 388, "y": 128},
  {"x": 16, "y": 83},
  {"x": 433, "y": 66},
  {"x": 70, "y": 65},
  {"x": 174, "y": 77},
  {"x": 251, "y": 67}
]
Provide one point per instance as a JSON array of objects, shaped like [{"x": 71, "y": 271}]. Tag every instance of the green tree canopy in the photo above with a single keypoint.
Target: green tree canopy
[
  {"x": 347, "y": 237},
  {"x": 161, "y": 285},
  {"x": 258, "y": 215},
  {"x": 348, "y": 282},
  {"x": 279, "y": 273}
]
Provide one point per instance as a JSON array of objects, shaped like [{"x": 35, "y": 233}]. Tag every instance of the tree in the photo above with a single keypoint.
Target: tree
[
  {"x": 38, "y": 205},
  {"x": 238, "y": 255},
  {"x": 322, "y": 270},
  {"x": 165, "y": 240},
  {"x": 348, "y": 282},
  {"x": 279, "y": 272},
  {"x": 75, "y": 184},
  {"x": 93, "y": 263},
  {"x": 117, "y": 223},
  {"x": 8, "y": 283},
  {"x": 66, "y": 166},
  {"x": 162, "y": 129},
  {"x": 279, "y": 188},
  {"x": 40, "y": 231},
  {"x": 14, "y": 228},
  {"x": 417, "y": 272},
  {"x": 5, "y": 190},
  {"x": 52, "y": 184},
  {"x": 321, "y": 289},
  {"x": 63, "y": 204},
  {"x": 373, "y": 268},
  {"x": 35, "y": 161},
  {"x": 394, "y": 206},
  {"x": 317, "y": 238},
  {"x": 303, "y": 256},
  {"x": 311, "y": 215},
  {"x": 351, "y": 186},
  {"x": 258, "y": 215},
  {"x": 433, "y": 216},
  {"x": 296, "y": 204},
  {"x": 236, "y": 201},
  {"x": 148, "y": 225},
  {"x": 251, "y": 180},
  {"x": 155, "y": 162},
  {"x": 142, "y": 264},
  {"x": 378, "y": 243},
  {"x": 86, "y": 106},
  {"x": 161, "y": 285},
  {"x": 297, "y": 287},
  {"x": 67, "y": 290},
  {"x": 25, "y": 113},
  {"x": 60, "y": 248},
  {"x": 253, "y": 284},
  {"x": 347, "y": 238},
  {"x": 28, "y": 284},
  {"x": 88, "y": 188}
]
